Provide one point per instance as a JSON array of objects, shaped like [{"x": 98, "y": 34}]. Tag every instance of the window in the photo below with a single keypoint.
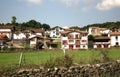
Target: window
[
  {"x": 116, "y": 37},
  {"x": 77, "y": 36},
  {"x": 84, "y": 40},
  {"x": 83, "y": 46},
  {"x": 83, "y": 34},
  {"x": 71, "y": 40},
  {"x": 53, "y": 31},
  {"x": 70, "y": 36},
  {"x": 117, "y": 44},
  {"x": 53, "y": 36},
  {"x": 77, "y": 42},
  {"x": 77, "y": 46},
  {"x": 57, "y": 33},
  {"x": 33, "y": 39},
  {"x": 64, "y": 41}
]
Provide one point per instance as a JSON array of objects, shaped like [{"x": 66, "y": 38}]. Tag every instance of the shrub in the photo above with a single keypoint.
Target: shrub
[
  {"x": 65, "y": 61},
  {"x": 104, "y": 56},
  {"x": 94, "y": 58}
]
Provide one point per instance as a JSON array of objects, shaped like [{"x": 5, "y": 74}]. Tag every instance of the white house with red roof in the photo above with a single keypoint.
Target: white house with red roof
[
  {"x": 101, "y": 42},
  {"x": 96, "y": 31},
  {"x": 114, "y": 35},
  {"x": 55, "y": 32},
  {"x": 115, "y": 39},
  {"x": 7, "y": 30},
  {"x": 34, "y": 39},
  {"x": 19, "y": 35},
  {"x": 3, "y": 40},
  {"x": 74, "y": 39}
]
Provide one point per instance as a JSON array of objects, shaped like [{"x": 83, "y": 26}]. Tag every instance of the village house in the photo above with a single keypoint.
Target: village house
[
  {"x": 45, "y": 42},
  {"x": 55, "y": 32},
  {"x": 74, "y": 39},
  {"x": 100, "y": 37},
  {"x": 7, "y": 30},
  {"x": 34, "y": 39},
  {"x": 3, "y": 40},
  {"x": 19, "y": 35},
  {"x": 101, "y": 42},
  {"x": 96, "y": 31},
  {"x": 37, "y": 31},
  {"x": 114, "y": 37}
]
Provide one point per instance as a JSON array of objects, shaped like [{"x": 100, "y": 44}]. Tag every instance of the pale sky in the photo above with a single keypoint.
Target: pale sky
[{"x": 61, "y": 12}]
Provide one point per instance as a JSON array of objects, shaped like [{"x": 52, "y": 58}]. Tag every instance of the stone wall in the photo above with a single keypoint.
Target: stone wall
[{"x": 109, "y": 69}]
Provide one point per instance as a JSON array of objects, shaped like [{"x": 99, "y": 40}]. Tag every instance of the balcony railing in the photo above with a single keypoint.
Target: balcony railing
[{"x": 102, "y": 43}]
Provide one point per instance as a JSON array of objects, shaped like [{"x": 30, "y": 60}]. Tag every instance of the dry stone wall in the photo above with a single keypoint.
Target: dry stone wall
[{"x": 109, "y": 69}]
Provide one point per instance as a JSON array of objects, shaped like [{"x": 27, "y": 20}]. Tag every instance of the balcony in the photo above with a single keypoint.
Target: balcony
[{"x": 102, "y": 43}]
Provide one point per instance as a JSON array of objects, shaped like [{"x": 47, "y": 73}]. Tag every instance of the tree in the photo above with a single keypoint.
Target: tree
[
  {"x": 33, "y": 24},
  {"x": 90, "y": 41},
  {"x": 39, "y": 45},
  {"x": 13, "y": 22},
  {"x": 90, "y": 37},
  {"x": 75, "y": 27},
  {"x": 46, "y": 26}
]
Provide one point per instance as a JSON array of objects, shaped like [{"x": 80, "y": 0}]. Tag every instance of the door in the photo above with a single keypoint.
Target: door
[{"x": 70, "y": 46}]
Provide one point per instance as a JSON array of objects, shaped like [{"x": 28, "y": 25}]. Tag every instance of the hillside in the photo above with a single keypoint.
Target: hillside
[{"x": 103, "y": 25}]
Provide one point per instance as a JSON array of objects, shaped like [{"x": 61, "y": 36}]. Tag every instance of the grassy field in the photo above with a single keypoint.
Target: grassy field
[{"x": 38, "y": 58}]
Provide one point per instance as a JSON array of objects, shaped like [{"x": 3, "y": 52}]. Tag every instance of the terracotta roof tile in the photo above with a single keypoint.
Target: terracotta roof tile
[
  {"x": 7, "y": 27},
  {"x": 102, "y": 29},
  {"x": 114, "y": 33},
  {"x": 38, "y": 30},
  {"x": 2, "y": 37},
  {"x": 102, "y": 37}
]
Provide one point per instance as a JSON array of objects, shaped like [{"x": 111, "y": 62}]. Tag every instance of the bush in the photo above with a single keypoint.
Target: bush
[
  {"x": 94, "y": 58},
  {"x": 65, "y": 61},
  {"x": 104, "y": 55}
]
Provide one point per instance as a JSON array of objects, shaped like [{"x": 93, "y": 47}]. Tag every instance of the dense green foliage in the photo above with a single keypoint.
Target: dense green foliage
[
  {"x": 103, "y": 25},
  {"x": 75, "y": 27},
  {"x": 35, "y": 24},
  {"x": 29, "y": 24}
]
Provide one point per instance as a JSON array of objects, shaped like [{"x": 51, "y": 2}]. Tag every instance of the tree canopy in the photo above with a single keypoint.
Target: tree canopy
[
  {"x": 75, "y": 27},
  {"x": 103, "y": 25},
  {"x": 35, "y": 24},
  {"x": 13, "y": 22}
]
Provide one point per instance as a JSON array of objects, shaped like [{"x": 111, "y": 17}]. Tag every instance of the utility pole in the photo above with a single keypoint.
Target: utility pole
[{"x": 45, "y": 45}]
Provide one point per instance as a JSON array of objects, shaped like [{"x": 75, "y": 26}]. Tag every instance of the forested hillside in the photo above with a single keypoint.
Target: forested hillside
[
  {"x": 35, "y": 24},
  {"x": 103, "y": 25}
]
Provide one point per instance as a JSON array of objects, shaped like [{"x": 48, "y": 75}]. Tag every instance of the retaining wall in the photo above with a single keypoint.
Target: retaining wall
[{"x": 109, "y": 69}]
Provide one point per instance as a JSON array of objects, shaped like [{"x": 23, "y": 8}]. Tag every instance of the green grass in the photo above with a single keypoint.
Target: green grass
[{"x": 37, "y": 58}]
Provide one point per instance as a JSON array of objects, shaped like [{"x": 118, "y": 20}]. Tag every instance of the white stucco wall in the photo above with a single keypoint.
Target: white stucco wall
[
  {"x": 53, "y": 33},
  {"x": 33, "y": 41},
  {"x": 6, "y": 32},
  {"x": 38, "y": 33},
  {"x": 83, "y": 47},
  {"x": 19, "y": 36},
  {"x": 90, "y": 31},
  {"x": 113, "y": 40}
]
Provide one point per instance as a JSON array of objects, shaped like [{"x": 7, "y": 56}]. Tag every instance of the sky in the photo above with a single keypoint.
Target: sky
[{"x": 61, "y": 12}]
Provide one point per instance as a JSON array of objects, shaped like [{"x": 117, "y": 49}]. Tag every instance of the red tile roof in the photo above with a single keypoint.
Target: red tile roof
[
  {"x": 2, "y": 36},
  {"x": 102, "y": 29},
  {"x": 114, "y": 33},
  {"x": 7, "y": 27},
  {"x": 38, "y": 30},
  {"x": 102, "y": 38},
  {"x": 39, "y": 36},
  {"x": 66, "y": 32}
]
